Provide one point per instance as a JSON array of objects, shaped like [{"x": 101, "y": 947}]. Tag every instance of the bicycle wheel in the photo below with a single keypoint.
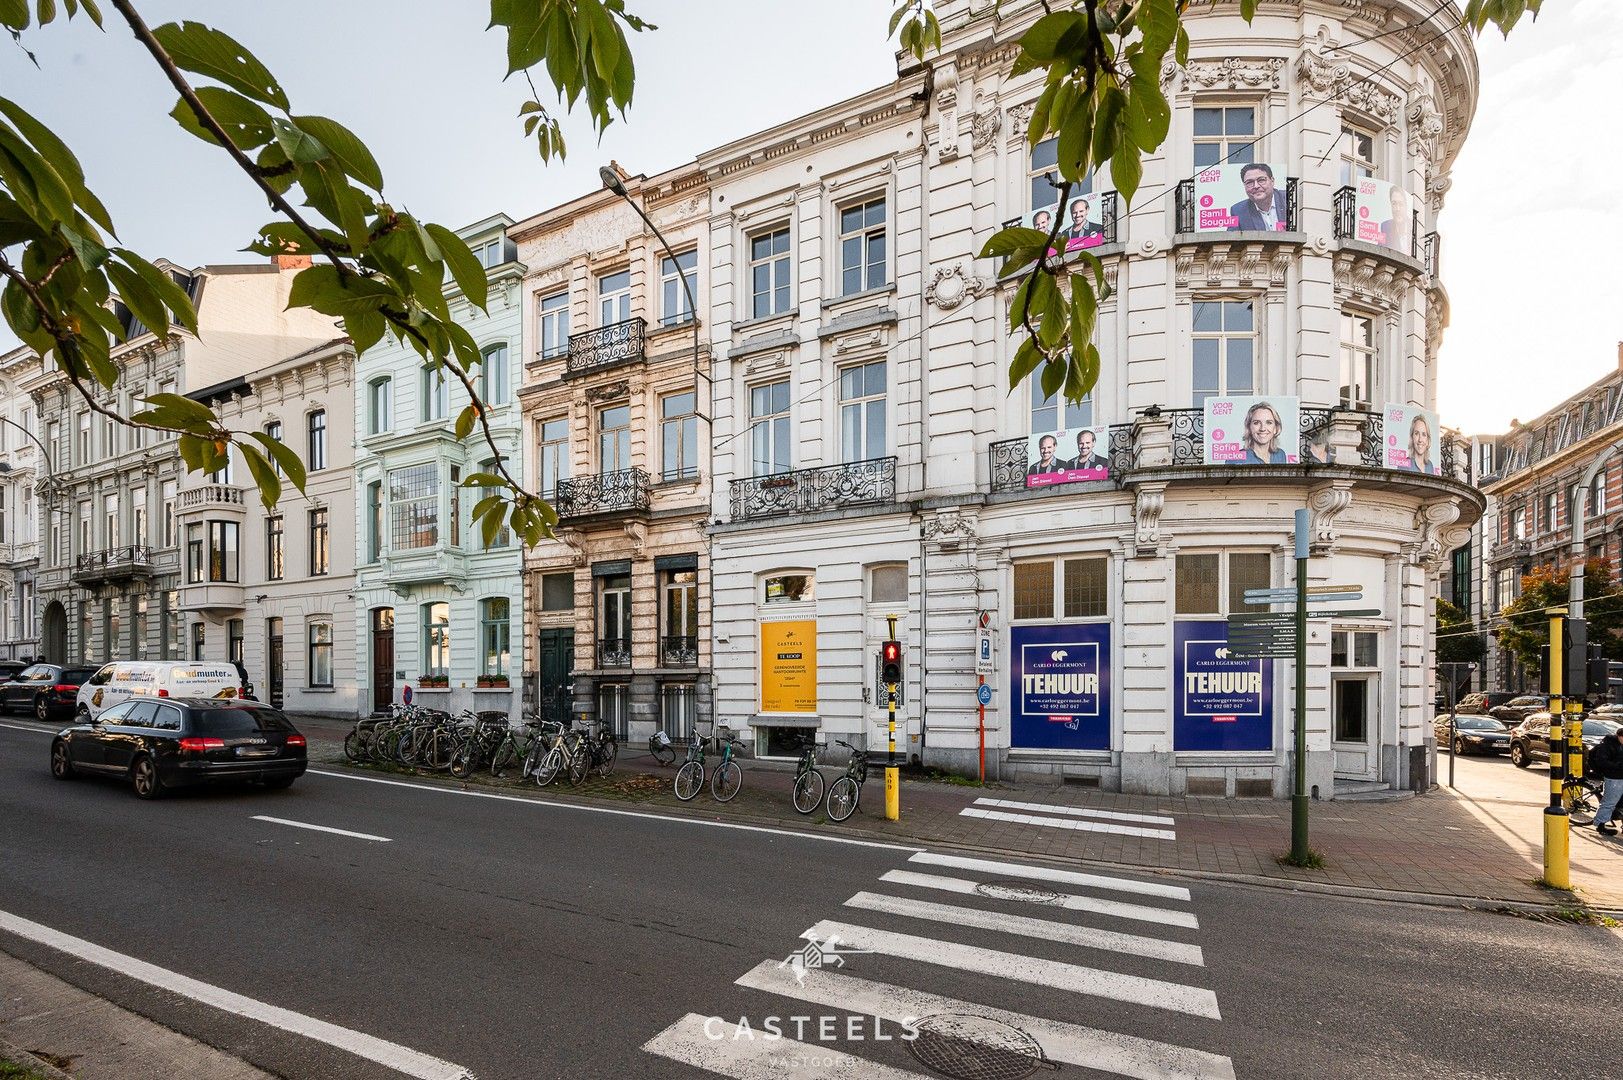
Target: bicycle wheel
[
  {"x": 442, "y": 748},
  {"x": 808, "y": 791},
  {"x": 505, "y": 755},
  {"x": 580, "y": 762},
  {"x": 464, "y": 761},
  {"x": 354, "y": 746},
  {"x": 606, "y": 755},
  {"x": 689, "y": 780},
  {"x": 532, "y": 759},
  {"x": 662, "y": 754},
  {"x": 551, "y": 765},
  {"x": 843, "y": 795},
  {"x": 726, "y": 780},
  {"x": 1582, "y": 802}
]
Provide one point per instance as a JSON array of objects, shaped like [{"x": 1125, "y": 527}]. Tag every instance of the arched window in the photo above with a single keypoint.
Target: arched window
[{"x": 493, "y": 374}]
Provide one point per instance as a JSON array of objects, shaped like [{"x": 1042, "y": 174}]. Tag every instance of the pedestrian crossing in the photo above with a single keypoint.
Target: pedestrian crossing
[
  {"x": 1072, "y": 818},
  {"x": 1121, "y": 944}
]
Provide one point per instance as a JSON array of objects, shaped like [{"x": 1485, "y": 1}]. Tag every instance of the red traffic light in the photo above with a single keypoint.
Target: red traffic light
[{"x": 892, "y": 653}]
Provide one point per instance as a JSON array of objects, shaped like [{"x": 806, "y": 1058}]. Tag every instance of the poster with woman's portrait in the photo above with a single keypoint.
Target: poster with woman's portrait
[
  {"x": 1066, "y": 456},
  {"x": 1253, "y": 431},
  {"x": 1080, "y": 224},
  {"x": 1386, "y": 215},
  {"x": 1412, "y": 440}
]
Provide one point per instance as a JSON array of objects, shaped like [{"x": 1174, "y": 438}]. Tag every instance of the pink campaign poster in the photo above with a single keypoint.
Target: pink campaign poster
[
  {"x": 1412, "y": 440},
  {"x": 1065, "y": 457},
  {"x": 1386, "y": 215},
  {"x": 1080, "y": 224},
  {"x": 1241, "y": 198},
  {"x": 1253, "y": 431}
]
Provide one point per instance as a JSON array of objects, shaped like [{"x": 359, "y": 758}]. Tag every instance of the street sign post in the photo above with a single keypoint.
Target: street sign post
[
  {"x": 983, "y": 652},
  {"x": 983, "y": 694}
]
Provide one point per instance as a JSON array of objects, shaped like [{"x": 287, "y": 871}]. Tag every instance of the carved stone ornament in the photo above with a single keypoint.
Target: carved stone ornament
[
  {"x": 637, "y": 533},
  {"x": 984, "y": 126},
  {"x": 949, "y": 526},
  {"x": 575, "y": 541},
  {"x": 1436, "y": 187},
  {"x": 1243, "y": 266},
  {"x": 871, "y": 339},
  {"x": 608, "y": 391},
  {"x": 1327, "y": 501},
  {"x": 1425, "y": 127},
  {"x": 1147, "y": 506},
  {"x": 1372, "y": 280},
  {"x": 1433, "y": 520},
  {"x": 1335, "y": 80},
  {"x": 1020, "y": 117},
  {"x": 950, "y": 286},
  {"x": 946, "y": 105},
  {"x": 1231, "y": 73}
]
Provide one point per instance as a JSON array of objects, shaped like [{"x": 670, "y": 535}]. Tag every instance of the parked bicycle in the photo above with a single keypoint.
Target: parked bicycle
[
  {"x": 660, "y": 748},
  {"x": 556, "y": 748},
  {"x": 808, "y": 792},
  {"x": 725, "y": 781},
  {"x": 478, "y": 744},
  {"x": 514, "y": 749},
  {"x": 846, "y": 792},
  {"x": 593, "y": 753}
]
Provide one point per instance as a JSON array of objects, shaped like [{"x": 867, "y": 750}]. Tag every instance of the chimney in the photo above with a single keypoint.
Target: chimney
[
  {"x": 300, "y": 262},
  {"x": 1620, "y": 356}
]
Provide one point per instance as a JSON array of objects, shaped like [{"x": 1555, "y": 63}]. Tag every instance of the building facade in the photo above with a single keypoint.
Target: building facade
[
  {"x": 437, "y": 614},
  {"x": 273, "y": 588},
  {"x": 24, "y": 473},
  {"x": 616, "y": 403}
]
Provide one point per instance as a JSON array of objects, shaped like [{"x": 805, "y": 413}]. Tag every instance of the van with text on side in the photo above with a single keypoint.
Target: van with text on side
[{"x": 123, "y": 680}]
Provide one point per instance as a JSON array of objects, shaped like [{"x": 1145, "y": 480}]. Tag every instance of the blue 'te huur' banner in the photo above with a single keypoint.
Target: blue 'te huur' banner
[
  {"x": 1059, "y": 693},
  {"x": 1218, "y": 702}
]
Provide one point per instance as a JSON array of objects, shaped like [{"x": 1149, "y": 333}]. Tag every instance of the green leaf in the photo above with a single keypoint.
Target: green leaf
[
  {"x": 56, "y": 153},
  {"x": 491, "y": 526},
  {"x": 192, "y": 413},
  {"x": 1007, "y": 241},
  {"x": 483, "y": 479},
  {"x": 290, "y": 464},
  {"x": 138, "y": 296},
  {"x": 465, "y": 421},
  {"x": 1042, "y": 41},
  {"x": 465, "y": 269},
  {"x": 248, "y": 124},
  {"x": 265, "y": 478},
  {"x": 218, "y": 56},
  {"x": 299, "y": 145},
  {"x": 173, "y": 296},
  {"x": 350, "y": 152},
  {"x": 14, "y": 14},
  {"x": 88, "y": 250},
  {"x": 1158, "y": 19},
  {"x": 1126, "y": 169},
  {"x": 321, "y": 289}
]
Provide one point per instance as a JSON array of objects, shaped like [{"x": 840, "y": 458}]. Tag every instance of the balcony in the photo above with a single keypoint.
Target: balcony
[
  {"x": 1422, "y": 247},
  {"x": 1011, "y": 457},
  {"x": 212, "y": 596},
  {"x": 1186, "y": 219},
  {"x": 605, "y": 347},
  {"x": 807, "y": 491},
  {"x": 1511, "y": 550},
  {"x": 1107, "y": 219},
  {"x": 614, "y": 652},
  {"x": 623, "y": 492},
  {"x": 679, "y": 651},
  {"x": 114, "y": 565},
  {"x": 212, "y": 496}
]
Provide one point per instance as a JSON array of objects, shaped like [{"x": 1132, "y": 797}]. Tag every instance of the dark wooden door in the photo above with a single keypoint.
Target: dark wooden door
[
  {"x": 382, "y": 659},
  {"x": 274, "y": 662},
  {"x": 557, "y": 664}
]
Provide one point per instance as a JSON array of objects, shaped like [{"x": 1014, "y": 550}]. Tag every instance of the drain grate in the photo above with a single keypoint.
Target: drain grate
[
  {"x": 1017, "y": 890},
  {"x": 969, "y": 1047}
]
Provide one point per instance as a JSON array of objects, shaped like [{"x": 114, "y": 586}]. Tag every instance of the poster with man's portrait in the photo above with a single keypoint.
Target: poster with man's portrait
[
  {"x": 1411, "y": 440},
  {"x": 1385, "y": 215},
  {"x": 1080, "y": 224},
  {"x": 1067, "y": 455},
  {"x": 1241, "y": 198},
  {"x": 1253, "y": 431}
]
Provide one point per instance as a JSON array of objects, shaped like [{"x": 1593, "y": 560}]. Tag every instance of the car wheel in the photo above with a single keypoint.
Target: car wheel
[
  {"x": 82, "y": 714},
  {"x": 1518, "y": 756},
  {"x": 1459, "y": 746},
  {"x": 61, "y": 764},
  {"x": 144, "y": 773},
  {"x": 42, "y": 708}
]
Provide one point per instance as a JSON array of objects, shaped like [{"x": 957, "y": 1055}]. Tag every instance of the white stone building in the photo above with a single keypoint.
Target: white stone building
[{"x": 23, "y": 472}]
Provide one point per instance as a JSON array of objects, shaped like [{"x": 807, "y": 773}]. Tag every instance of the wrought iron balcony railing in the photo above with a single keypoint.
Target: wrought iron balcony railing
[
  {"x": 614, "y": 652},
  {"x": 1009, "y": 458},
  {"x": 1345, "y": 203},
  {"x": 625, "y": 491},
  {"x": 678, "y": 651},
  {"x": 612, "y": 344},
  {"x": 1109, "y": 222},
  {"x": 1186, "y": 217},
  {"x": 115, "y": 564},
  {"x": 802, "y": 491}
]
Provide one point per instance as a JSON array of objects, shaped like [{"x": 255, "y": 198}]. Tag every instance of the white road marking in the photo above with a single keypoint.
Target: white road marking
[
  {"x": 549, "y": 804},
  {"x": 1069, "y": 901},
  {"x": 1077, "y": 811},
  {"x": 391, "y": 1055},
  {"x": 322, "y": 828},
  {"x": 1049, "y": 873},
  {"x": 1137, "y": 990},
  {"x": 35, "y": 730},
  {"x": 1071, "y": 1044},
  {"x": 760, "y": 1058},
  {"x": 1067, "y": 823},
  {"x": 1177, "y": 952}
]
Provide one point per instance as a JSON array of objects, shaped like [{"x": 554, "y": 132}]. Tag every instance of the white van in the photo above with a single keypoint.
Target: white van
[{"x": 125, "y": 679}]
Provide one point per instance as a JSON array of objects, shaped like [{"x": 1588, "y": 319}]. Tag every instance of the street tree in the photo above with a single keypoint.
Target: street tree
[
  {"x": 380, "y": 270},
  {"x": 1527, "y": 618},
  {"x": 1458, "y": 641}
]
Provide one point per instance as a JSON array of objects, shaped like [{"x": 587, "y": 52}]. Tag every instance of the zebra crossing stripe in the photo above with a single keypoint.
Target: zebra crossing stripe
[
  {"x": 1050, "y": 873},
  {"x": 1134, "y": 989},
  {"x": 1077, "y": 811},
  {"x": 761, "y": 1057},
  {"x": 1068, "y": 901},
  {"x": 1177, "y": 952},
  {"x": 1070, "y": 1044},
  {"x": 1067, "y": 823}
]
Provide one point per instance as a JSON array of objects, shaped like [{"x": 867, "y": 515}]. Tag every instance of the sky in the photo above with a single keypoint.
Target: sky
[{"x": 1530, "y": 255}]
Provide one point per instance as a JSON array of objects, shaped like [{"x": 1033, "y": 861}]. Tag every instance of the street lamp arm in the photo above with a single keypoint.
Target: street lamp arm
[
  {"x": 619, "y": 189},
  {"x": 50, "y": 469}
]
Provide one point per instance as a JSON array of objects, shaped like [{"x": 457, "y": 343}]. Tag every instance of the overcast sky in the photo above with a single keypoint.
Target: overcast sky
[{"x": 1531, "y": 255}]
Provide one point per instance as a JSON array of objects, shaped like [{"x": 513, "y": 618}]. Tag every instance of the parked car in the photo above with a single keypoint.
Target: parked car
[
  {"x": 1480, "y": 702},
  {"x": 1472, "y": 734},
  {"x": 1530, "y": 740},
  {"x": 44, "y": 690},
  {"x": 10, "y": 668},
  {"x": 122, "y": 680},
  {"x": 179, "y": 742},
  {"x": 1519, "y": 708}
]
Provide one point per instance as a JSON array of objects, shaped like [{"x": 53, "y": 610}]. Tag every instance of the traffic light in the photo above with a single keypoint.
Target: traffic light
[
  {"x": 1599, "y": 672},
  {"x": 1575, "y": 679},
  {"x": 890, "y": 663}
]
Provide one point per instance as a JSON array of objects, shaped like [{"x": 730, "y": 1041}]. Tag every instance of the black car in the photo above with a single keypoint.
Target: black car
[
  {"x": 1519, "y": 708},
  {"x": 1530, "y": 741},
  {"x": 44, "y": 690},
  {"x": 178, "y": 742},
  {"x": 1472, "y": 734},
  {"x": 1482, "y": 701}
]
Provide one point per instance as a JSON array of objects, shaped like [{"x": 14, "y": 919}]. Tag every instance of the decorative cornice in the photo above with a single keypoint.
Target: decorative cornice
[
  {"x": 1234, "y": 266},
  {"x": 1425, "y": 127},
  {"x": 1149, "y": 500},
  {"x": 1019, "y": 117},
  {"x": 1230, "y": 73},
  {"x": 1336, "y": 81},
  {"x": 951, "y": 526},
  {"x": 1327, "y": 501},
  {"x": 1371, "y": 280}
]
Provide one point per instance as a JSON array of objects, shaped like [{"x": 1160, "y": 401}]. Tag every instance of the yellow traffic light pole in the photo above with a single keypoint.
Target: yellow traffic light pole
[
  {"x": 1556, "y": 868},
  {"x": 893, "y": 788}
]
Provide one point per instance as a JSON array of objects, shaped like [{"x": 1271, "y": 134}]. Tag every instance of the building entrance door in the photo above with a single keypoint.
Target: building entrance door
[
  {"x": 55, "y": 638},
  {"x": 557, "y": 663},
  {"x": 274, "y": 662},
  {"x": 1354, "y": 727},
  {"x": 382, "y": 659}
]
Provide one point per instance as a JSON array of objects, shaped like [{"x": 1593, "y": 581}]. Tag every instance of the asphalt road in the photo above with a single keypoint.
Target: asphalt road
[{"x": 525, "y": 939}]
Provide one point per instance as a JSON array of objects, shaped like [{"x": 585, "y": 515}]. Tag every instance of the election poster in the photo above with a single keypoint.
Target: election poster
[
  {"x": 1059, "y": 686},
  {"x": 1241, "y": 198},
  {"x": 1081, "y": 223},
  {"x": 1385, "y": 215},
  {"x": 1066, "y": 456},
  {"x": 1410, "y": 438},
  {"x": 1219, "y": 702},
  {"x": 1253, "y": 431},
  {"x": 789, "y": 666}
]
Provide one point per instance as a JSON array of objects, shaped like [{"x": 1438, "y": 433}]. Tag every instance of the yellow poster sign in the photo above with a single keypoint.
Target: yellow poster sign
[{"x": 789, "y": 667}]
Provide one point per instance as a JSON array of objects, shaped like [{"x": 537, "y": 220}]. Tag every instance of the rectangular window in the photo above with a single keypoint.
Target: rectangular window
[
  {"x": 1087, "y": 588},
  {"x": 138, "y": 516},
  {"x": 414, "y": 507},
  {"x": 504, "y": 535},
  {"x": 1597, "y": 495},
  {"x": 1504, "y": 589},
  {"x": 769, "y": 428},
  {"x": 169, "y": 487},
  {"x": 1357, "y": 361},
  {"x": 275, "y": 549},
  {"x": 1055, "y": 413},
  {"x": 109, "y": 437},
  {"x": 769, "y": 273},
  {"x": 680, "y": 618},
  {"x": 1518, "y": 524},
  {"x": 226, "y": 473},
  {"x": 436, "y": 394},
  {"x": 437, "y": 639},
  {"x": 614, "y": 298},
  {"x": 558, "y": 592},
  {"x": 494, "y": 630},
  {"x": 374, "y": 521},
  {"x": 678, "y": 437},
  {"x": 1083, "y": 583},
  {"x": 1357, "y": 155},
  {"x": 171, "y": 644},
  {"x": 138, "y": 629},
  {"x": 1196, "y": 585},
  {"x": 224, "y": 551},
  {"x": 320, "y": 552},
  {"x": 86, "y": 629},
  {"x": 614, "y": 438},
  {"x": 493, "y": 374},
  {"x": 320, "y": 655},
  {"x": 1552, "y": 510},
  {"x": 490, "y": 253},
  {"x": 195, "y": 565},
  {"x": 81, "y": 453},
  {"x": 1034, "y": 590},
  {"x": 456, "y": 506},
  {"x": 1224, "y": 348},
  {"x": 862, "y": 411},
  {"x": 316, "y": 458},
  {"x": 199, "y": 640},
  {"x": 379, "y": 405},
  {"x": 862, "y": 246},
  {"x": 553, "y": 311},
  {"x": 1246, "y": 570},
  {"x": 1224, "y": 134},
  {"x": 553, "y": 451},
  {"x": 85, "y": 537},
  {"x": 233, "y": 639},
  {"x": 273, "y": 430},
  {"x": 109, "y": 522},
  {"x": 114, "y": 626},
  {"x": 673, "y": 298},
  {"x": 614, "y": 625},
  {"x": 1355, "y": 649}
]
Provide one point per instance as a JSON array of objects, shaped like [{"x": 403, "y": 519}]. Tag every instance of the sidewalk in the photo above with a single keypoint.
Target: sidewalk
[{"x": 1441, "y": 844}]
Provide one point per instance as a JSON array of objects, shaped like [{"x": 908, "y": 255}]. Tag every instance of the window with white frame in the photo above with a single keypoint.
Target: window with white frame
[
  {"x": 792, "y": 587},
  {"x": 437, "y": 639},
  {"x": 374, "y": 521},
  {"x": 84, "y": 537},
  {"x": 680, "y": 616},
  {"x": 614, "y": 438},
  {"x": 674, "y": 307},
  {"x": 1355, "y": 649},
  {"x": 436, "y": 393},
  {"x": 227, "y": 472},
  {"x": 1225, "y": 133},
  {"x": 1597, "y": 495},
  {"x": 678, "y": 436},
  {"x": 273, "y": 430},
  {"x": 862, "y": 246},
  {"x": 1357, "y": 155},
  {"x": 320, "y": 671},
  {"x": 493, "y": 374},
  {"x": 1552, "y": 512},
  {"x": 553, "y": 313},
  {"x": 1504, "y": 589},
  {"x": 1518, "y": 523},
  {"x": 109, "y": 521},
  {"x": 491, "y": 253},
  {"x": 138, "y": 514},
  {"x": 769, "y": 428},
  {"x": 414, "y": 507},
  {"x": 275, "y": 549},
  {"x": 1215, "y": 584},
  {"x": 1224, "y": 349},
  {"x": 1053, "y": 413},
  {"x": 887, "y": 584},
  {"x": 168, "y": 491},
  {"x": 504, "y": 535},
  {"x": 317, "y": 441},
  {"x": 495, "y": 630},
  {"x": 1358, "y": 360},
  {"x": 379, "y": 405},
  {"x": 769, "y": 273},
  {"x": 614, "y": 298},
  {"x": 1071, "y": 588},
  {"x": 552, "y": 451},
  {"x": 862, "y": 411},
  {"x": 81, "y": 452}
]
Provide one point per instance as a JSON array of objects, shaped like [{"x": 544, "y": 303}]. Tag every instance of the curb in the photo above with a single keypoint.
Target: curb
[
  {"x": 16, "y": 1055},
  {"x": 1486, "y": 904}
]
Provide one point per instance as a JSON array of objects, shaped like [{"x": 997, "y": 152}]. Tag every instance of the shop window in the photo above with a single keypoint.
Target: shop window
[
  {"x": 1087, "y": 588},
  {"x": 1204, "y": 582},
  {"x": 790, "y": 588},
  {"x": 1034, "y": 590}
]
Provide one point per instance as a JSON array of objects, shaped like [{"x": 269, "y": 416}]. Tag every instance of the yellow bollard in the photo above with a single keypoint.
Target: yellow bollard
[{"x": 1556, "y": 872}]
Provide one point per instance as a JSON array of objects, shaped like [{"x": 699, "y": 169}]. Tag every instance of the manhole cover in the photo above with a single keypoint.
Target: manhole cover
[
  {"x": 1017, "y": 890},
  {"x": 969, "y": 1047}
]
